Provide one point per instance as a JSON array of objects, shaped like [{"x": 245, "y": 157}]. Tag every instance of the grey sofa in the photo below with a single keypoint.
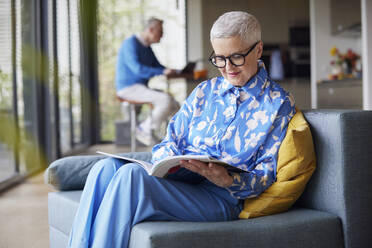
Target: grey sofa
[{"x": 334, "y": 211}]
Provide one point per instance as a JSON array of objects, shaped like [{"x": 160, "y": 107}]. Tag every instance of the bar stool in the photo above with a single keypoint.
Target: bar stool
[{"x": 133, "y": 120}]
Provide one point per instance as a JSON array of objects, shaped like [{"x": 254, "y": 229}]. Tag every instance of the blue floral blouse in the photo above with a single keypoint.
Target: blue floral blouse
[{"x": 243, "y": 126}]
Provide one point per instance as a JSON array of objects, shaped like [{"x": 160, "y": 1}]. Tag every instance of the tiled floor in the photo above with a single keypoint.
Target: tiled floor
[
  {"x": 24, "y": 209},
  {"x": 24, "y": 215}
]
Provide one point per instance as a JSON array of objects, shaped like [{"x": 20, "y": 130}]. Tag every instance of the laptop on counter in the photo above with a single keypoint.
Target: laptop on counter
[{"x": 189, "y": 68}]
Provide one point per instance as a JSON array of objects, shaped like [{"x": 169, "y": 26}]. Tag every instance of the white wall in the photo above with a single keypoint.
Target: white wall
[
  {"x": 367, "y": 51},
  {"x": 194, "y": 30}
]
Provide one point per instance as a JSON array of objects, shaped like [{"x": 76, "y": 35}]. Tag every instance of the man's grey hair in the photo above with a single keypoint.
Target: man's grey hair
[
  {"x": 152, "y": 21},
  {"x": 237, "y": 23}
]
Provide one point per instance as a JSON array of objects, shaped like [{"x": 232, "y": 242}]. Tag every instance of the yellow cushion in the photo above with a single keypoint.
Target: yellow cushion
[{"x": 296, "y": 164}]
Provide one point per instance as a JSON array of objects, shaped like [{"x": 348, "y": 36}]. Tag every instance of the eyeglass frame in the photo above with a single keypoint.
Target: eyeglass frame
[{"x": 229, "y": 57}]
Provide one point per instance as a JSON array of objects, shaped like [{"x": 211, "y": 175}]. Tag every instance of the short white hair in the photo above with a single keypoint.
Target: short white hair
[
  {"x": 152, "y": 22},
  {"x": 235, "y": 23}
]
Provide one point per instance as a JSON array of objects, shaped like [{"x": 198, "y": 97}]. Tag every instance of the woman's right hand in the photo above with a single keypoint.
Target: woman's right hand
[{"x": 215, "y": 173}]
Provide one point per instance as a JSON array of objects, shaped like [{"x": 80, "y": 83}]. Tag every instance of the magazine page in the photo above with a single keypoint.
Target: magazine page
[
  {"x": 147, "y": 166},
  {"x": 161, "y": 168}
]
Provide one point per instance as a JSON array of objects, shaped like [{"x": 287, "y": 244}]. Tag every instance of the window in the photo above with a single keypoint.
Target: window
[
  {"x": 7, "y": 158},
  {"x": 41, "y": 86},
  {"x": 117, "y": 21},
  {"x": 68, "y": 57}
]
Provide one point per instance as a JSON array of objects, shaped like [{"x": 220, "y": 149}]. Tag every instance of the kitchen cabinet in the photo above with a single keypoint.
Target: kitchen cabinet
[
  {"x": 340, "y": 94},
  {"x": 346, "y": 17}
]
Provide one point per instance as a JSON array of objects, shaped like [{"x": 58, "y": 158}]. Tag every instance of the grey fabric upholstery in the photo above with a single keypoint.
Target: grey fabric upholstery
[
  {"x": 341, "y": 182},
  {"x": 68, "y": 202},
  {"x": 57, "y": 238},
  {"x": 62, "y": 207},
  {"x": 304, "y": 224},
  {"x": 297, "y": 228},
  {"x": 334, "y": 210}
]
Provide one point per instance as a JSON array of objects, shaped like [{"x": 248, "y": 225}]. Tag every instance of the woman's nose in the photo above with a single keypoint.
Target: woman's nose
[{"x": 229, "y": 64}]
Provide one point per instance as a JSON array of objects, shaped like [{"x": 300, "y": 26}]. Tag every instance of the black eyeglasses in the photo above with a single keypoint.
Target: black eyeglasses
[{"x": 236, "y": 59}]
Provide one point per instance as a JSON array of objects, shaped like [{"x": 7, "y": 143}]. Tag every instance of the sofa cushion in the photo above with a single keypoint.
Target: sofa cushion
[
  {"x": 296, "y": 164},
  {"x": 303, "y": 228},
  {"x": 299, "y": 227},
  {"x": 70, "y": 173}
]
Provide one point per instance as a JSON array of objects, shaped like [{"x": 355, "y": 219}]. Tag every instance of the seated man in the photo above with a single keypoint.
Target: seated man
[{"x": 136, "y": 64}]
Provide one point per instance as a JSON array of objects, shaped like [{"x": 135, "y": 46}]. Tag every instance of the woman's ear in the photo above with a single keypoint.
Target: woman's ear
[{"x": 259, "y": 50}]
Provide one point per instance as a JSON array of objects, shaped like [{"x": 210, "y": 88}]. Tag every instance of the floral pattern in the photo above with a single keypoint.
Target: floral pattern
[{"x": 243, "y": 126}]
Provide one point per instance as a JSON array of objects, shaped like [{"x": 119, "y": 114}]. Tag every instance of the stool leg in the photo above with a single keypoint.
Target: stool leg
[{"x": 132, "y": 127}]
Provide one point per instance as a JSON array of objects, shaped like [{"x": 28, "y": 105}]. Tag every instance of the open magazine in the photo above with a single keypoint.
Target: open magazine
[{"x": 161, "y": 168}]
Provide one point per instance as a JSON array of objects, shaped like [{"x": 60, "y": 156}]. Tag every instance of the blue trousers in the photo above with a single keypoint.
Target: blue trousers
[{"x": 117, "y": 197}]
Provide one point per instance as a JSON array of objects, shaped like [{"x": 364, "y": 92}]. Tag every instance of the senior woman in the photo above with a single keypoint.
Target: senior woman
[{"x": 240, "y": 118}]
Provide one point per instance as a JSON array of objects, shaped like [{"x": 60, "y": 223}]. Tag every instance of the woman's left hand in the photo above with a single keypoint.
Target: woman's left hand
[{"x": 213, "y": 172}]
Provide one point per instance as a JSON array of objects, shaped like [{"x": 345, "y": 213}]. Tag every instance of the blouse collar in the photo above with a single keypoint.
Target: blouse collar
[{"x": 253, "y": 86}]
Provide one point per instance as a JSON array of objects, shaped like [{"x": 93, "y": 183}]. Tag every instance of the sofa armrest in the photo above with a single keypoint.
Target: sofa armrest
[{"x": 341, "y": 182}]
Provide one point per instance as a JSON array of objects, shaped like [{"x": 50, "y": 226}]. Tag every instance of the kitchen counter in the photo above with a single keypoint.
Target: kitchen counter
[
  {"x": 340, "y": 94},
  {"x": 348, "y": 82}
]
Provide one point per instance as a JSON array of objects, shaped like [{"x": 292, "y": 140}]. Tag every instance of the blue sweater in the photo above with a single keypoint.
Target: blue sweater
[{"x": 136, "y": 64}]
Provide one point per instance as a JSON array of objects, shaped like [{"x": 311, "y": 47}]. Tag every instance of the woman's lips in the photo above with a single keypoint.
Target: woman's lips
[{"x": 233, "y": 74}]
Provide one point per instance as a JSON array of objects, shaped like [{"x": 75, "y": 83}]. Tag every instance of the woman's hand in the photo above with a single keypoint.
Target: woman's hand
[{"x": 213, "y": 172}]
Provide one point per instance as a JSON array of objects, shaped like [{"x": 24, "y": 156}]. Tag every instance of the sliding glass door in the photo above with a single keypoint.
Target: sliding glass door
[
  {"x": 43, "y": 108},
  {"x": 119, "y": 19},
  {"x": 68, "y": 54},
  {"x": 8, "y": 90}
]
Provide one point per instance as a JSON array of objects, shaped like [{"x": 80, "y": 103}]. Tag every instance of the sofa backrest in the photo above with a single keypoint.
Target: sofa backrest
[{"x": 341, "y": 183}]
